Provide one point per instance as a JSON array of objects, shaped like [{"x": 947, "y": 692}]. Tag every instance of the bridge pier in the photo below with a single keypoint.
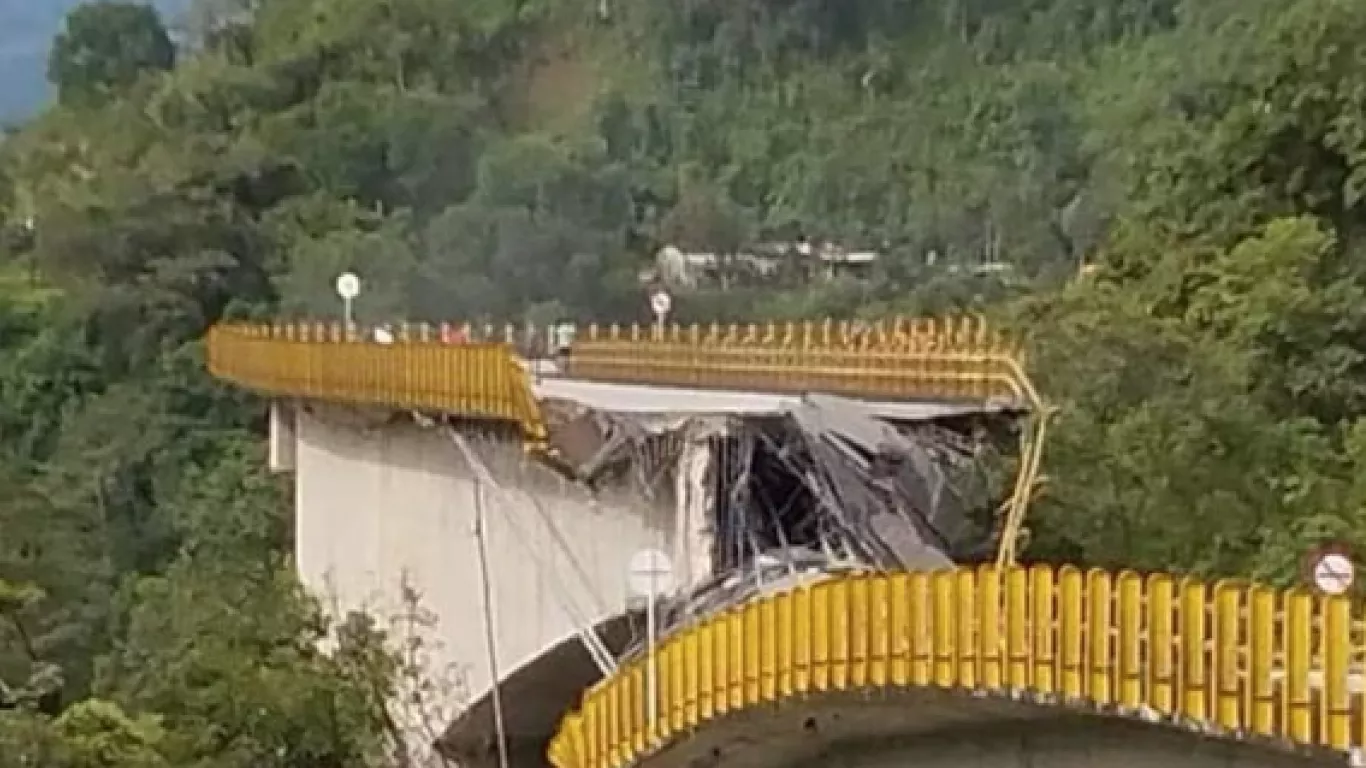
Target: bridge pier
[{"x": 387, "y": 515}]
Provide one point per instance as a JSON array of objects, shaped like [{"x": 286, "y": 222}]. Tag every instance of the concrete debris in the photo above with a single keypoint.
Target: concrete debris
[{"x": 825, "y": 487}]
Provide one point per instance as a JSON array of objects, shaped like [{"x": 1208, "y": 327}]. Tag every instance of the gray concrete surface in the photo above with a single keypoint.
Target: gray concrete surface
[
  {"x": 535, "y": 699},
  {"x": 628, "y": 398},
  {"x": 386, "y": 508},
  {"x": 931, "y": 728}
]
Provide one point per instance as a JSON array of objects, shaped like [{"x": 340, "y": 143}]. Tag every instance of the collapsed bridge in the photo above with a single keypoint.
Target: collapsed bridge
[{"x": 843, "y": 509}]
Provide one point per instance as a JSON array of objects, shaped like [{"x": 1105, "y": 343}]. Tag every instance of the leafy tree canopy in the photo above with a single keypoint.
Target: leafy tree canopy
[{"x": 108, "y": 45}]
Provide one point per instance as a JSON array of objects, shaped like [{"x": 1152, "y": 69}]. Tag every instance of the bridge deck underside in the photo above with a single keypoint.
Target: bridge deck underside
[{"x": 935, "y": 728}]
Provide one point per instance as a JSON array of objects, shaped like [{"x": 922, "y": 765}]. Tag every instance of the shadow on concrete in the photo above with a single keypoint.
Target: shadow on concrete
[
  {"x": 930, "y": 727},
  {"x": 535, "y": 697},
  {"x": 874, "y": 728}
]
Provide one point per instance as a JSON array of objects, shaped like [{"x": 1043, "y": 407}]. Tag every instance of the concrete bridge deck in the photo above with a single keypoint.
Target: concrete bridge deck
[{"x": 631, "y": 398}]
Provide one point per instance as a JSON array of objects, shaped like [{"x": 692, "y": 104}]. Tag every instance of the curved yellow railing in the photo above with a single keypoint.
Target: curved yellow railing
[
  {"x": 317, "y": 362},
  {"x": 930, "y": 359},
  {"x": 1244, "y": 661}
]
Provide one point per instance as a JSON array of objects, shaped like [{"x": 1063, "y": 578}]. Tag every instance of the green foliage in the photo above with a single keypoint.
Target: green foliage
[
  {"x": 98, "y": 734},
  {"x": 107, "y": 46},
  {"x": 516, "y": 159}
]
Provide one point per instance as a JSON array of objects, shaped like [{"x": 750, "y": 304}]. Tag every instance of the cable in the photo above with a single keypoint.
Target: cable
[
  {"x": 490, "y": 641},
  {"x": 592, "y": 643}
]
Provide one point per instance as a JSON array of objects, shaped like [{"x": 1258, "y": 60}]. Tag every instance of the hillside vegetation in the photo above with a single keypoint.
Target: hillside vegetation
[{"x": 521, "y": 159}]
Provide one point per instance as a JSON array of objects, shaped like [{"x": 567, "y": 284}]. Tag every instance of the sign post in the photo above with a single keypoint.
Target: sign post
[
  {"x": 650, "y": 576},
  {"x": 660, "y": 304},
  {"x": 348, "y": 288}
]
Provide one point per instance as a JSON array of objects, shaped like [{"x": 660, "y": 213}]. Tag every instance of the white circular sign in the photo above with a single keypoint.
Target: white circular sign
[
  {"x": 1333, "y": 573},
  {"x": 348, "y": 285},
  {"x": 661, "y": 303},
  {"x": 649, "y": 574}
]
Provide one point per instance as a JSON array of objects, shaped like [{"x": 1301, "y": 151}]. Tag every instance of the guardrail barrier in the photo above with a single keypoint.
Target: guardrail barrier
[
  {"x": 478, "y": 380},
  {"x": 1245, "y": 661},
  {"x": 903, "y": 359}
]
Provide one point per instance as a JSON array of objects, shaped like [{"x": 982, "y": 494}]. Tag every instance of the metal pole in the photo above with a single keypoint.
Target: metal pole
[
  {"x": 483, "y": 479},
  {"x": 652, "y": 666},
  {"x": 490, "y": 638},
  {"x": 346, "y": 316}
]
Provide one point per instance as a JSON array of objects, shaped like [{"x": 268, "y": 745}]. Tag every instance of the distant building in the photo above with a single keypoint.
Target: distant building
[{"x": 762, "y": 263}]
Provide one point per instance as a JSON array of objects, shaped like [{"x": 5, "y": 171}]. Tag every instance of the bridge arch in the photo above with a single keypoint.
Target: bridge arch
[
  {"x": 934, "y": 728},
  {"x": 535, "y": 696},
  {"x": 1245, "y": 663}
]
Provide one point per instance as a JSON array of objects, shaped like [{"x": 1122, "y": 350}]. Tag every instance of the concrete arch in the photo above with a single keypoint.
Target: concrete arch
[
  {"x": 934, "y": 728},
  {"x": 1245, "y": 663},
  {"x": 535, "y": 696}
]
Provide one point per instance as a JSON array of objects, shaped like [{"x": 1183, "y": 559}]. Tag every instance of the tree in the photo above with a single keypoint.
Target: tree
[
  {"x": 99, "y": 734},
  {"x": 106, "y": 46}
]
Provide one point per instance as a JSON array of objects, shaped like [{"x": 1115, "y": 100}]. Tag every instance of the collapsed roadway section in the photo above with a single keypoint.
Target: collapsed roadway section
[{"x": 771, "y": 492}]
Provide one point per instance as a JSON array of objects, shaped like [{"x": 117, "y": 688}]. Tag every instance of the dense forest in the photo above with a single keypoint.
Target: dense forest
[{"x": 522, "y": 160}]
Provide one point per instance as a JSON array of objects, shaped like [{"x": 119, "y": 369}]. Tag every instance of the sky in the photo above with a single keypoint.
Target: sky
[{"x": 26, "y": 31}]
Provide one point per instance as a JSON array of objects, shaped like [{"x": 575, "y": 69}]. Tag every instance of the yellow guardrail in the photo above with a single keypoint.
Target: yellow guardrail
[
  {"x": 1245, "y": 661},
  {"x": 925, "y": 359},
  {"x": 320, "y": 362}
]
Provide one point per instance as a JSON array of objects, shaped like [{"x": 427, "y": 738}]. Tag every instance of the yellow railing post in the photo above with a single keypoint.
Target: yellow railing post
[{"x": 320, "y": 362}]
